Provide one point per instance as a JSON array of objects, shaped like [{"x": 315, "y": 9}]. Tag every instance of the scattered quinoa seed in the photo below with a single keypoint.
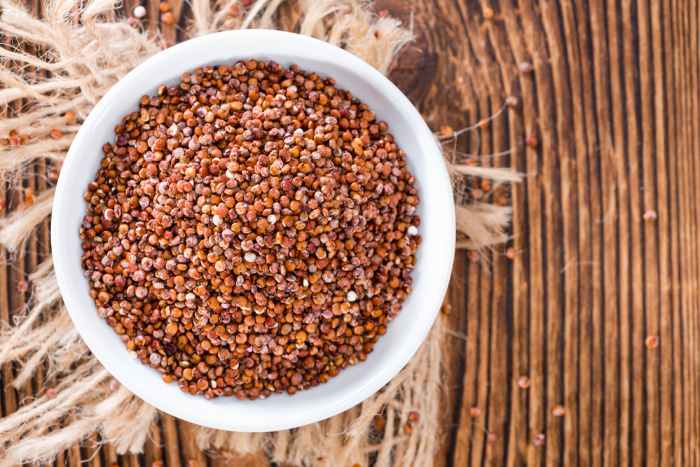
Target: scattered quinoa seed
[
  {"x": 447, "y": 309},
  {"x": 473, "y": 256},
  {"x": 525, "y": 67},
  {"x": 531, "y": 141},
  {"x": 558, "y": 410},
  {"x": 652, "y": 342},
  {"x": 649, "y": 215},
  {"x": 164, "y": 7},
  {"x": 512, "y": 101},
  {"x": 524, "y": 382},
  {"x": 139, "y": 12},
  {"x": 487, "y": 13},
  {"x": 56, "y": 134},
  {"x": 167, "y": 18},
  {"x": 511, "y": 253},
  {"x": 539, "y": 440},
  {"x": 413, "y": 416},
  {"x": 50, "y": 393},
  {"x": 475, "y": 412},
  {"x": 446, "y": 131},
  {"x": 380, "y": 422},
  {"x": 23, "y": 286},
  {"x": 491, "y": 438}
]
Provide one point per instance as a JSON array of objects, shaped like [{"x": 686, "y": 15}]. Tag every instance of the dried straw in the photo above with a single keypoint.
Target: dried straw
[{"x": 82, "y": 55}]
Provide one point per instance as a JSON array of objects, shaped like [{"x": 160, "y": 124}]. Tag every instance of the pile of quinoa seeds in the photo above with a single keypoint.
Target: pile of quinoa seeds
[{"x": 251, "y": 230}]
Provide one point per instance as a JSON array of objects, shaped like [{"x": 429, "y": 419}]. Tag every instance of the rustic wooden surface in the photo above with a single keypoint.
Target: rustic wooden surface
[{"x": 614, "y": 99}]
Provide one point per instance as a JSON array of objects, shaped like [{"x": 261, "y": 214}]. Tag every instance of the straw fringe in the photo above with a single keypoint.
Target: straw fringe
[
  {"x": 82, "y": 55},
  {"x": 16, "y": 228}
]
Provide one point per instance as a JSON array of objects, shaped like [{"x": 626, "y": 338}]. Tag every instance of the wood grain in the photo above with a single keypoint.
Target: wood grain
[{"x": 614, "y": 100}]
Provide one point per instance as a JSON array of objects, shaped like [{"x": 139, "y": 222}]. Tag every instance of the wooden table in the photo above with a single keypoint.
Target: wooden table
[{"x": 614, "y": 100}]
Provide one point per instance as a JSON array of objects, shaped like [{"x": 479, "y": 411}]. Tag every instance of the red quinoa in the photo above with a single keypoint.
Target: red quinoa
[{"x": 248, "y": 230}]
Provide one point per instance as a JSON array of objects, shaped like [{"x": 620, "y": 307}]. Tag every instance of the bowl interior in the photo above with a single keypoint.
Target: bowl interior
[{"x": 434, "y": 258}]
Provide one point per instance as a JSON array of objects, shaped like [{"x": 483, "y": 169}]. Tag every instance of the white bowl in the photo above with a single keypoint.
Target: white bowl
[{"x": 434, "y": 258}]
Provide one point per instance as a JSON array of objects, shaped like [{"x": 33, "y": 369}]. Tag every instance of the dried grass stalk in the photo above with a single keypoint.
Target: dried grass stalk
[{"x": 83, "y": 54}]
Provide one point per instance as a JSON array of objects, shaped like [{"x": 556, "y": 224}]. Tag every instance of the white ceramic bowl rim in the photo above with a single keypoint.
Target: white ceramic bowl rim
[{"x": 434, "y": 258}]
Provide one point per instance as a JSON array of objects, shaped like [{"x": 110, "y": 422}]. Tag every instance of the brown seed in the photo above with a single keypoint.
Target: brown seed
[
  {"x": 491, "y": 438},
  {"x": 558, "y": 410},
  {"x": 539, "y": 440},
  {"x": 473, "y": 256},
  {"x": 70, "y": 116},
  {"x": 413, "y": 416},
  {"x": 23, "y": 286},
  {"x": 50, "y": 393},
  {"x": 164, "y": 7},
  {"x": 380, "y": 422},
  {"x": 475, "y": 412},
  {"x": 193, "y": 463},
  {"x": 649, "y": 215},
  {"x": 113, "y": 384},
  {"x": 157, "y": 463},
  {"x": 511, "y": 253},
  {"x": 525, "y": 67},
  {"x": 227, "y": 455},
  {"x": 487, "y": 13},
  {"x": 652, "y": 342},
  {"x": 56, "y": 134},
  {"x": 531, "y": 141},
  {"x": 167, "y": 18},
  {"x": 446, "y": 309},
  {"x": 446, "y": 131},
  {"x": 407, "y": 428},
  {"x": 512, "y": 101},
  {"x": 524, "y": 382}
]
